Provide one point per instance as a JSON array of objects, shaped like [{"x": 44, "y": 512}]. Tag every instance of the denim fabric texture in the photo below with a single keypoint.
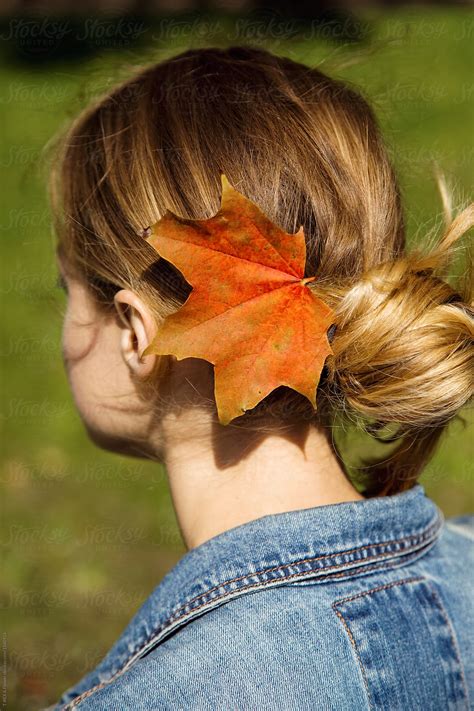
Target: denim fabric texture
[{"x": 358, "y": 605}]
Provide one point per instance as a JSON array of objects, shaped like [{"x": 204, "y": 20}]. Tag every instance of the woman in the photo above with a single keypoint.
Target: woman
[{"x": 301, "y": 588}]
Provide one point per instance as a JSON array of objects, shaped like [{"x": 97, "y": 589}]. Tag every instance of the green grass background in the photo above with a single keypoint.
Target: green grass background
[{"x": 88, "y": 534}]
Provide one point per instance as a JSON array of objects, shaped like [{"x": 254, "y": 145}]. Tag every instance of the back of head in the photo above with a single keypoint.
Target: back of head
[{"x": 308, "y": 151}]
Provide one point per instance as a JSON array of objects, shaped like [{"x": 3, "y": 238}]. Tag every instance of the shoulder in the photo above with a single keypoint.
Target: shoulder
[
  {"x": 240, "y": 655},
  {"x": 461, "y": 526},
  {"x": 451, "y": 560}
]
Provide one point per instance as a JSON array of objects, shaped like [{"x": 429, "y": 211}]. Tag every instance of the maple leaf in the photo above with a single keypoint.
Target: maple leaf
[{"x": 250, "y": 312}]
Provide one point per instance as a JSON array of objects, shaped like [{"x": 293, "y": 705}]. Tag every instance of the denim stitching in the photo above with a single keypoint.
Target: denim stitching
[
  {"x": 356, "y": 649},
  {"x": 381, "y": 587},
  {"x": 348, "y": 630},
  {"x": 421, "y": 536},
  {"x": 391, "y": 585},
  {"x": 453, "y": 640}
]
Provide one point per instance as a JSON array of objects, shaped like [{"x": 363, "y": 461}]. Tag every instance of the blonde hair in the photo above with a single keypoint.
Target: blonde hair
[{"x": 307, "y": 149}]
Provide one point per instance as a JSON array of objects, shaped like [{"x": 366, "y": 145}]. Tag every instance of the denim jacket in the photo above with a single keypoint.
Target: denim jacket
[{"x": 358, "y": 605}]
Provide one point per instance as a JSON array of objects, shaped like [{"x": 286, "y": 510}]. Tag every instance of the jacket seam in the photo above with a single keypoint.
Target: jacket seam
[
  {"x": 441, "y": 609},
  {"x": 380, "y": 587},
  {"x": 348, "y": 629},
  {"x": 356, "y": 649},
  {"x": 423, "y": 535},
  {"x": 453, "y": 639}
]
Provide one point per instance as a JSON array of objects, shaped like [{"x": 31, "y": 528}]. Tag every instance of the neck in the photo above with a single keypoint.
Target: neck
[{"x": 221, "y": 477}]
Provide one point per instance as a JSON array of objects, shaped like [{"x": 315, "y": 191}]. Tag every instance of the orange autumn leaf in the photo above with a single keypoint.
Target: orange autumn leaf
[{"x": 250, "y": 312}]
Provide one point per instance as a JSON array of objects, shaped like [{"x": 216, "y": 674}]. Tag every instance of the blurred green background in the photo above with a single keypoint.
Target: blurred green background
[{"x": 86, "y": 535}]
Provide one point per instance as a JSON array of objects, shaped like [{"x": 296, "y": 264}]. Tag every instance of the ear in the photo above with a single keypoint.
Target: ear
[{"x": 138, "y": 330}]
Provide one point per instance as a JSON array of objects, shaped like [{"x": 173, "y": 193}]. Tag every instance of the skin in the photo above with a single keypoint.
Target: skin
[{"x": 219, "y": 477}]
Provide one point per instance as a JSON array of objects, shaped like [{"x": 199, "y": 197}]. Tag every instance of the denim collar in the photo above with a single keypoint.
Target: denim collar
[{"x": 337, "y": 540}]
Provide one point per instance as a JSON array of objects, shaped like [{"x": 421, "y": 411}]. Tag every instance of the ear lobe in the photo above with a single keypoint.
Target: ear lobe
[{"x": 137, "y": 332}]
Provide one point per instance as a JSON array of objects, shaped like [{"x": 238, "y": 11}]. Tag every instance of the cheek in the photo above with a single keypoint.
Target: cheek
[
  {"x": 79, "y": 343},
  {"x": 81, "y": 327},
  {"x": 95, "y": 369},
  {"x": 82, "y": 334},
  {"x": 100, "y": 380},
  {"x": 77, "y": 340}
]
